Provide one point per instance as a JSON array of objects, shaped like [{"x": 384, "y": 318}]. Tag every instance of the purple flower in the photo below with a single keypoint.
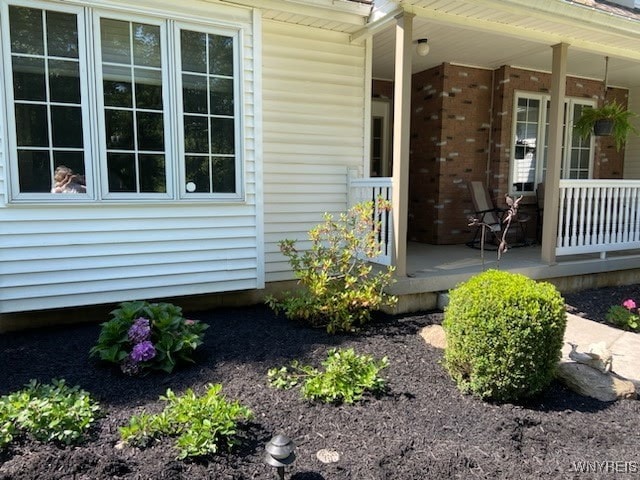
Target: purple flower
[
  {"x": 143, "y": 351},
  {"x": 140, "y": 331}
]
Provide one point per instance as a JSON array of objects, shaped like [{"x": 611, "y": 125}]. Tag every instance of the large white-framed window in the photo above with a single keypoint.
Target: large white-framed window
[
  {"x": 48, "y": 110},
  {"x": 530, "y": 134},
  {"x": 209, "y": 113},
  {"x": 153, "y": 111}
]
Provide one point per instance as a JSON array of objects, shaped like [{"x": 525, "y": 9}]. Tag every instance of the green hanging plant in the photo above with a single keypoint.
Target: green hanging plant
[{"x": 612, "y": 111}]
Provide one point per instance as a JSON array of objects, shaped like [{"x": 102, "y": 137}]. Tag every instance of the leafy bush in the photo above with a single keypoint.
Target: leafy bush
[
  {"x": 143, "y": 336},
  {"x": 504, "y": 335},
  {"x": 339, "y": 286},
  {"x": 625, "y": 316},
  {"x": 346, "y": 377},
  {"x": 49, "y": 412},
  {"x": 200, "y": 423}
]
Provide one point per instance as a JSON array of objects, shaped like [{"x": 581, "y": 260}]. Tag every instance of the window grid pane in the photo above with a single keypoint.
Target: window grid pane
[
  {"x": 47, "y": 99},
  {"x": 209, "y": 122},
  {"x": 134, "y": 110},
  {"x": 576, "y": 152}
]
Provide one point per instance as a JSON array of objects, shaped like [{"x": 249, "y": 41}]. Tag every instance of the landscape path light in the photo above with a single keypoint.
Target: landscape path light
[{"x": 280, "y": 453}]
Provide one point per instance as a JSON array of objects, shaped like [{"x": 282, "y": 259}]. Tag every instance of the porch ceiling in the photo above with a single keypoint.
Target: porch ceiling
[{"x": 489, "y": 34}]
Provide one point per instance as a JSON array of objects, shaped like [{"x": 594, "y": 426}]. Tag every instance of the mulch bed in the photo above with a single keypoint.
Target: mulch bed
[{"x": 422, "y": 428}]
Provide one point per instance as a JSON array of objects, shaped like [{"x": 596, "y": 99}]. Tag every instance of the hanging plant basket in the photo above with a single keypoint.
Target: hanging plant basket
[
  {"x": 603, "y": 127},
  {"x": 612, "y": 112}
]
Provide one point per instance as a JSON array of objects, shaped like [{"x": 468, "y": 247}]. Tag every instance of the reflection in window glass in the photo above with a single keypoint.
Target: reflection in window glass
[
  {"x": 47, "y": 97},
  {"x": 66, "y": 126},
  {"x": 121, "y": 168},
  {"x": 64, "y": 81},
  {"x": 35, "y": 171},
  {"x": 116, "y": 84},
  {"x": 29, "y": 81},
  {"x": 209, "y": 121},
  {"x": 134, "y": 107},
  {"x": 525, "y": 160},
  {"x": 146, "y": 45},
  {"x": 62, "y": 35},
  {"x": 26, "y": 30}
]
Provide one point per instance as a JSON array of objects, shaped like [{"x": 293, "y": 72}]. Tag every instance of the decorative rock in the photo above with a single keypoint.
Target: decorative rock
[
  {"x": 587, "y": 381},
  {"x": 598, "y": 356},
  {"x": 434, "y": 335},
  {"x": 326, "y": 455}
]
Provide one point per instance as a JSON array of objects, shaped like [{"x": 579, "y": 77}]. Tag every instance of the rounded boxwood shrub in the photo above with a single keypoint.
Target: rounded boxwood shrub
[{"x": 504, "y": 335}]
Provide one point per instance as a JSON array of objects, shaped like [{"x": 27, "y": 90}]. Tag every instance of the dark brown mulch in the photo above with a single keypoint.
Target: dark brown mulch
[{"x": 422, "y": 428}]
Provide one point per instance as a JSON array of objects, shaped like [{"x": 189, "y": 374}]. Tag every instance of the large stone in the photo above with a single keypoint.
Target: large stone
[
  {"x": 587, "y": 381},
  {"x": 434, "y": 335}
]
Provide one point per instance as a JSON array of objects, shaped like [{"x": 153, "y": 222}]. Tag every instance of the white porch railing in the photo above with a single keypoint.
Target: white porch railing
[
  {"x": 598, "y": 216},
  {"x": 369, "y": 189}
]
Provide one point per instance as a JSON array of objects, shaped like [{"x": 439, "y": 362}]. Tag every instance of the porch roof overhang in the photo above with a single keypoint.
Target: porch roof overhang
[{"x": 492, "y": 33}]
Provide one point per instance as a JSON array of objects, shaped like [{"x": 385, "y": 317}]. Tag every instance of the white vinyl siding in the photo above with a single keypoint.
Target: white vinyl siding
[
  {"x": 56, "y": 256},
  {"x": 313, "y": 98}
]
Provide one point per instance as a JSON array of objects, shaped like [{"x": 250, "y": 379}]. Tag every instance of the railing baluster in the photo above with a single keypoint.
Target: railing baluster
[
  {"x": 369, "y": 189},
  {"x": 616, "y": 214},
  {"x": 601, "y": 209},
  {"x": 581, "y": 220},
  {"x": 561, "y": 225},
  {"x": 574, "y": 217},
  {"x": 588, "y": 240},
  {"x": 633, "y": 210},
  {"x": 607, "y": 215}
]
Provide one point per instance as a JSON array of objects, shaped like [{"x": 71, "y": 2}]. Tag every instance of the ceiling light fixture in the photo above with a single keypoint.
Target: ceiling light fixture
[{"x": 423, "y": 47}]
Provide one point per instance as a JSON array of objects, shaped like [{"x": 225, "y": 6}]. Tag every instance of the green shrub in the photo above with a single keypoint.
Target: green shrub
[
  {"x": 201, "y": 423},
  {"x": 48, "y": 412},
  {"x": 145, "y": 336},
  {"x": 346, "y": 377},
  {"x": 625, "y": 316},
  {"x": 504, "y": 335},
  {"x": 339, "y": 288}
]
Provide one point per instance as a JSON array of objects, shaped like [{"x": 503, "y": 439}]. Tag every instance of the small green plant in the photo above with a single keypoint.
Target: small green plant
[
  {"x": 48, "y": 412},
  {"x": 504, "y": 335},
  {"x": 340, "y": 288},
  {"x": 142, "y": 336},
  {"x": 202, "y": 424},
  {"x": 625, "y": 316},
  {"x": 345, "y": 378}
]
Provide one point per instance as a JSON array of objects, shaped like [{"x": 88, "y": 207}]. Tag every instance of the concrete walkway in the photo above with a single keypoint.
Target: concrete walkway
[{"x": 625, "y": 346}]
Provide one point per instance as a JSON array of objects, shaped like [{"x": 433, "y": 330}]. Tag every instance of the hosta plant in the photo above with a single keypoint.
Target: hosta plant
[
  {"x": 52, "y": 412},
  {"x": 345, "y": 377},
  {"x": 201, "y": 424},
  {"x": 144, "y": 336},
  {"x": 339, "y": 285}
]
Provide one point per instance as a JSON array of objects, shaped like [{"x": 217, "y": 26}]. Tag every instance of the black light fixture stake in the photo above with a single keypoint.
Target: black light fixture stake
[{"x": 280, "y": 453}]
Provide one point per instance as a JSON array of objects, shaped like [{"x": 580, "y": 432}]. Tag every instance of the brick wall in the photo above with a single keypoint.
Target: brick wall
[
  {"x": 461, "y": 127},
  {"x": 449, "y": 142},
  {"x": 382, "y": 89}
]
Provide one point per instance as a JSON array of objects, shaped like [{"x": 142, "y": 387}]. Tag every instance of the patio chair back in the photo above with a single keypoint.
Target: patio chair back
[{"x": 484, "y": 207}]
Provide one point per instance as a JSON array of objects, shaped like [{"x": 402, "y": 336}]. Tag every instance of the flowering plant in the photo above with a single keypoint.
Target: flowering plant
[
  {"x": 625, "y": 316},
  {"x": 148, "y": 336}
]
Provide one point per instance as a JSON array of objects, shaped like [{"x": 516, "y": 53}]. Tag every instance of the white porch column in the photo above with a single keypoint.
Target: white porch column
[
  {"x": 554, "y": 153},
  {"x": 401, "y": 120}
]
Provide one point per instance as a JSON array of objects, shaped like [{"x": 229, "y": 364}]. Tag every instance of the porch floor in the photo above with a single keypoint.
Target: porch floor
[{"x": 437, "y": 268}]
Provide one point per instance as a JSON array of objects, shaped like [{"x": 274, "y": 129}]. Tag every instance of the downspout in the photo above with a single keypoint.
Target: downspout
[{"x": 488, "y": 169}]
